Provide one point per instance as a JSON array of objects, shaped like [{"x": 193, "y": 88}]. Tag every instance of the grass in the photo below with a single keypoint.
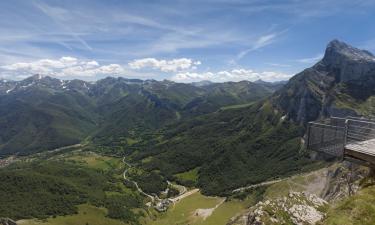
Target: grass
[
  {"x": 191, "y": 175},
  {"x": 224, "y": 212},
  {"x": 87, "y": 214},
  {"x": 131, "y": 141},
  {"x": 95, "y": 161},
  {"x": 56, "y": 185},
  {"x": 182, "y": 213},
  {"x": 358, "y": 209},
  {"x": 310, "y": 182}
]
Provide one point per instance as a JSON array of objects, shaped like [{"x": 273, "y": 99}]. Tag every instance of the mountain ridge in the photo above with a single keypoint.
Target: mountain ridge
[
  {"x": 237, "y": 147},
  {"x": 95, "y": 106},
  {"x": 344, "y": 72}
]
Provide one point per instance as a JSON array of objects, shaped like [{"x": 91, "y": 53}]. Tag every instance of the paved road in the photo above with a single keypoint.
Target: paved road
[
  {"x": 135, "y": 183},
  {"x": 269, "y": 182},
  {"x": 178, "y": 198},
  {"x": 258, "y": 185},
  {"x": 183, "y": 191},
  {"x": 180, "y": 188}
]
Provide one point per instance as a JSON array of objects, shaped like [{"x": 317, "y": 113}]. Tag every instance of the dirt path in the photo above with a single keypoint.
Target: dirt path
[
  {"x": 313, "y": 186},
  {"x": 178, "y": 198},
  {"x": 258, "y": 185},
  {"x": 205, "y": 213},
  {"x": 180, "y": 188}
]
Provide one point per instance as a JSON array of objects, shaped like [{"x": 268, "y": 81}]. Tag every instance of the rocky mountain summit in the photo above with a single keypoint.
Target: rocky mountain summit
[{"x": 340, "y": 84}]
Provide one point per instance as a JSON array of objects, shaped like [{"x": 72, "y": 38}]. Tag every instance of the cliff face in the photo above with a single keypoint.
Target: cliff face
[{"x": 332, "y": 87}]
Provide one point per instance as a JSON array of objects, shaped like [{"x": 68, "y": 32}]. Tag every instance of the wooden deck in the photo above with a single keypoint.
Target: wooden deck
[
  {"x": 345, "y": 138},
  {"x": 362, "y": 150}
]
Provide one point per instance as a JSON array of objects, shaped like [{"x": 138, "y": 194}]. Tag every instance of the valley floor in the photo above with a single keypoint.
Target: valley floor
[
  {"x": 193, "y": 208},
  {"x": 87, "y": 214}
]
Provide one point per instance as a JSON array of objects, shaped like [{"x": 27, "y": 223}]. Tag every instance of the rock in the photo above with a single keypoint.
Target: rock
[
  {"x": 301, "y": 208},
  {"x": 311, "y": 94},
  {"x": 7, "y": 221}
]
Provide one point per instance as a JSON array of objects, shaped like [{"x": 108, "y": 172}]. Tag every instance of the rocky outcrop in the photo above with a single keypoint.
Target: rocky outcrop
[
  {"x": 343, "y": 181},
  {"x": 296, "y": 208},
  {"x": 7, "y": 221},
  {"x": 348, "y": 62}
]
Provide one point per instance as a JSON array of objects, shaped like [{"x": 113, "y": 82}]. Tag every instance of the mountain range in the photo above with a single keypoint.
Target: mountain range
[
  {"x": 142, "y": 140},
  {"x": 42, "y": 113},
  {"x": 250, "y": 144},
  {"x": 229, "y": 134}
]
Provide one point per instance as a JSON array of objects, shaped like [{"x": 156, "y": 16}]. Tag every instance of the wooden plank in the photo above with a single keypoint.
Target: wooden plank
[{"x": 359, "y": 155}]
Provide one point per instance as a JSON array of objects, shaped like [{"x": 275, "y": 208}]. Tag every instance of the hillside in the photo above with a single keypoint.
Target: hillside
[
  {"x": 250, "y": 144},
  {"x": 213, "y": 136},
  {"x": 42, "y": 113}
]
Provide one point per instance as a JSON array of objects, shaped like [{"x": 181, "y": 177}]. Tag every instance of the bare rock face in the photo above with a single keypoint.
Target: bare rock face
[
  {"x": 343, "y": 181},
  {"x": 7, "y": 221},
  {"x": 295, "y": 208},
  {"x": 311, "y": 94},
  {"x": 349, "y": 62}
]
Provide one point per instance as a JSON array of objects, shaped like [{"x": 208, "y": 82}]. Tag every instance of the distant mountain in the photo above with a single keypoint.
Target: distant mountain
[
  {"x": 273, "y": 86},
  {"x": 228, "y": 134},
  {"x": 41, "y": 112},
  {"x": 202, "y": 83}
]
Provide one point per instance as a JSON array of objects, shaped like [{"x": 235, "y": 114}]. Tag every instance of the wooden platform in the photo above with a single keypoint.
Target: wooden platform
[{"x": 362, "y": 150}]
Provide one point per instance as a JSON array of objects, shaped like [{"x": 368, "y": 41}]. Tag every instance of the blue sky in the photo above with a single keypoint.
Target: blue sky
[{"x": 179, "y": 40}]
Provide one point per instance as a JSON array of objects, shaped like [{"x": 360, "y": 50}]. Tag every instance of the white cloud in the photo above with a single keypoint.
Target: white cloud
[
  {"x": 173, "y": 65},
  {"x": 278, "y": 65},
  {"x": 311, "y": 59},
  {"x": 232, "y": 75},
  {"x": 261, "y": 42},
  {"x": 63, "y": 67}
]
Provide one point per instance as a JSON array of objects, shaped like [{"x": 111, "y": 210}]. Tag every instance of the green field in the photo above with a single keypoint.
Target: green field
[
  {"x": 189, "y": 176},
  {"x": 87, "y": 214},
  {"x": 95, "y": 161},
  {"x": 357, "y": 209},
  {"x": 184, "y": 212},
  {"x": 50, "y": 190}
]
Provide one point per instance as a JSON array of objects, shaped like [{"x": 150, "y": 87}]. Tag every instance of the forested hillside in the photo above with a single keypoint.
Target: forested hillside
[
  {"x": 43, "y": 113},
  {"x": 235, "y": 146}
]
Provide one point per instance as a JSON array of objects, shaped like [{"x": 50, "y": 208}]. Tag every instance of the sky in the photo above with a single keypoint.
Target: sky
[{"x": 183, "y": 41}]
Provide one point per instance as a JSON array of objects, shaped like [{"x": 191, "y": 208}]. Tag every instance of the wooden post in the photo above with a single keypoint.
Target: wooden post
[
  {"x": 345, "y": 138},
  {"x": 308, "y": 135}
]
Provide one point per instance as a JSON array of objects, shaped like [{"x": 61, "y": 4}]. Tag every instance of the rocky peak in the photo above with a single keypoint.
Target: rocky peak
[
  {"x": 346, "y": 62},
  {"x": 312, "y": 93},
  {"x": 35, "y": 77},
  {"x": 339, "y": 49}
]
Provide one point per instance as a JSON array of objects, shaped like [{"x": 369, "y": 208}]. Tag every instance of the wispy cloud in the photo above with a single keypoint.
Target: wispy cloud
[
  {"x": 279, "y": 65},
  {"x": 261, "y": 42},
  {"x": 310, "y": 59},
  {"x": 60, "y": 17},
  {"x": 117, "y": 32}
]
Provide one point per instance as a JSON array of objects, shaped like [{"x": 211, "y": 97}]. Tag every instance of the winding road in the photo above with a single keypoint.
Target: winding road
[
  {"x": 183, "y": 192},
  {"x": 135, "y": 183}
]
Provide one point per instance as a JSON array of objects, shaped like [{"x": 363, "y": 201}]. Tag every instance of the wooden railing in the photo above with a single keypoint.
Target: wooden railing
[{"x": 334, "y": 135}]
